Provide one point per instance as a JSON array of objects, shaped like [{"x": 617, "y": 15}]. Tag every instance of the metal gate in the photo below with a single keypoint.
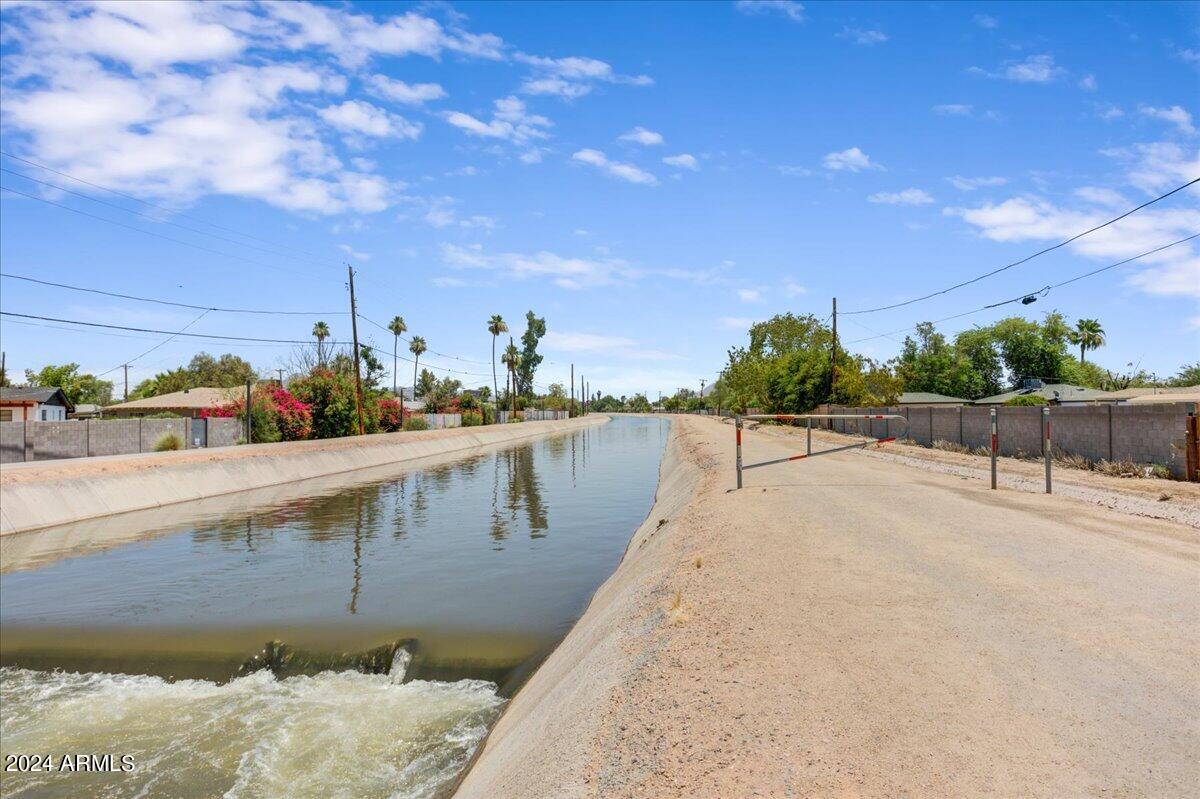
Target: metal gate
[{"x": 808, "y": 417}]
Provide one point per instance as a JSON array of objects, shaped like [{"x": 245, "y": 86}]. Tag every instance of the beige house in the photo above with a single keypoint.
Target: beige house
[
  {"x": 187, "y": 403},
  {"x": 1148, "y": 395}
]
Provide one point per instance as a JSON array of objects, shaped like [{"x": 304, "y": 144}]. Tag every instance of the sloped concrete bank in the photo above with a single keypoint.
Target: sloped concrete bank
[{"x": 49, "y": 493}]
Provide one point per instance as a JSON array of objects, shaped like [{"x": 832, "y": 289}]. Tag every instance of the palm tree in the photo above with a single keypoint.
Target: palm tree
[
  {"x": 1088, "y": 334},
  {"x": 512, "y": 359},
  {"x": 321, "y": 332},
  {"x": 416, "y": 346},
  {"x": 397, "y": 327},
  {"x": 496, "y": 326}
]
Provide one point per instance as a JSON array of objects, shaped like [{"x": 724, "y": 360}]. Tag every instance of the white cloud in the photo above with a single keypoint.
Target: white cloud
[
  {"x": 986, "y": 21},
  {"x": 971, "y": 184},
  {"x": 640, "y": 135},
  {"x": 617, "y": 169},
  {"x": 443, "y": 282},
  {"x": 954, "y": 110},
  {"x": 177, "y": 101},
  {"x": 1108, "y": 112},
  {"x": 584, "y": 342},
  {"x": 440, "y": 214},
  {"x": 683, "y": 161},
  {"x": 1155, "y": 166},
  {"x": 1171, "y": 272},
  {"x": 398, "y": 91},
  {"x": 1088, "y": 83},
  {"x": 793, "y": 289},
  {"x": 353, "y": 253},
  {"x": 736, "y": 322},
  {"x": 905, "y": 197},
  {"x": 564, "y": 271},
  {"x": 509, "y": 122},
  {"x": 1109, "y": 198},
  {"x": 749, "y": 295},
  {"x": 786, "y": 8},
  {"x": 1034, "y": 69},
  {"x": 573, "y": 76},
  {"x": 863, "y": 36},
  {"x": 532, "y": 156},
  {"x": 852, "y": 160},
  {"x": 792, "y": 171},
  {"x": 1175, "y": 115},
  {"x": 357, "y": 116}
]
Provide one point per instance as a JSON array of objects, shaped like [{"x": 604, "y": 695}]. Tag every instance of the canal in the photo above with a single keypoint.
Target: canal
[{"x": 357, "y": 639}]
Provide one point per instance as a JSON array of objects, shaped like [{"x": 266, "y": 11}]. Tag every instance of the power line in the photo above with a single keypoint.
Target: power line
[
  {"x": 432, "y": 352},
  {"x": 1025, "y": 259},
  {"x": 156, "y": 346},
  {"x": 151, "y": 232},
  {"x": 166, "y": 302},
  {"x": 1039, "y": 292},
  {"x": 153, "y": 205}
]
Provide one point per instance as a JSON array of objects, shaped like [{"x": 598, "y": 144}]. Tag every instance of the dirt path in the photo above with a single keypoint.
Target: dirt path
[{"x": 852, "y": 627}]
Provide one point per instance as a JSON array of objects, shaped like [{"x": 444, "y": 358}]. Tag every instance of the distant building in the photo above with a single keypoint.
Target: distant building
[
  {"x": 85, "y": 410},
  {"x": 188, "y": 403},
  {"x": 924, "y": 399},
  {"x": 1053, "y": 393},
  {"x": 34, "y": 405},
  {"x": 1149, "y": 395}
]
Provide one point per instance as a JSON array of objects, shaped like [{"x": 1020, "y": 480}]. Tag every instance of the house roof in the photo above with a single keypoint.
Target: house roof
[
  {"x": 1153, "y": 394},
  {"x": 1052, "y": 392},
  {"x": 35, "y": 394},
  {"x": 929, "y": 398},
  {"x": 195, "y": 398}
]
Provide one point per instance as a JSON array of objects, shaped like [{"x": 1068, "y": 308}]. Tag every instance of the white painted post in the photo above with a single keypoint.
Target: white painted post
[
  {"x": 995, "y": 446},
  {"x": 1046, "y": 444},
  {"x": 808, "y": 425}
]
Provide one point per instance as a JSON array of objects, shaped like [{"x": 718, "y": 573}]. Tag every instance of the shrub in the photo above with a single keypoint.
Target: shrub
[
  {"x": 391, "y": 414},
  {"x": 471, "y": 420},
  {"x": 168, "y": 443},
  {"x": 514, "y": 419},
  {"x": 416, "y": 423},
  {"x": 330, "y": 397},
  {"x": 1026, "y": 400},
  {"x": 275, "y": 414}
]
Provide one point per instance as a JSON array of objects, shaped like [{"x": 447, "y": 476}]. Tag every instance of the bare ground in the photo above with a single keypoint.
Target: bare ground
[{"x": 849, "y": 626}]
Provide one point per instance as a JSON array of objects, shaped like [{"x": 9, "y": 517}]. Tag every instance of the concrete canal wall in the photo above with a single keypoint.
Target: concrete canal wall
[{"x": 44, "y": 494}]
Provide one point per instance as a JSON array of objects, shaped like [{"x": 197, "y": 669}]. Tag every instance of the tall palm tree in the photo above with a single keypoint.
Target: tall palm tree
[
  {"x": 397, "y": 327},
  {"x": 321, "y": 332},
  {"x": 512, "y": 359},
  {"x": 416, "y": 345},
  {"x": 1089, "y": 335},
  {"x": 496, "y": 325}
]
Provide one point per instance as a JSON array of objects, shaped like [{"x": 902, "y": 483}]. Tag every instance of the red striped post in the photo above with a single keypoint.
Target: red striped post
[
  {"x": 737, "y": 424},
  {"x": 995, "y": 447},
  {"x": 1046, "y": 447}
]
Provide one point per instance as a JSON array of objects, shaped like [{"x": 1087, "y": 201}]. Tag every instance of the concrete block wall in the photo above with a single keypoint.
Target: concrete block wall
[
  {"x": 114, "y": 436},
  {"x": 155, "y": 429},
  {"x": 223, "y": 432},
  {"x": 1143, "y": 434},
  {"x": 12, "y": 442},
  {"x": 53, "y": 440}
]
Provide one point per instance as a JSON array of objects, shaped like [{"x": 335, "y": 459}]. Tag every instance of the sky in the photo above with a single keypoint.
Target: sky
[{"x": 650, "y": 178}]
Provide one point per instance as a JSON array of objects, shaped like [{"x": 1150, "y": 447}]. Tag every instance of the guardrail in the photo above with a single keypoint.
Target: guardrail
[{"x": 808, "y": 417}]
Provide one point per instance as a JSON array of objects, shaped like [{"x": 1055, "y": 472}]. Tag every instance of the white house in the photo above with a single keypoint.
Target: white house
[{"x": 34, "y": 405}]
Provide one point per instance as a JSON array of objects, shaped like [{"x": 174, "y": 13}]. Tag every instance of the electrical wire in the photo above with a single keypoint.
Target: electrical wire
[
  {"x": 166, "y": 302},
  {"x": 1026, "y": 258},
  {"x": 1038, "y": 292},
  {"x": 156, "y": 346}
]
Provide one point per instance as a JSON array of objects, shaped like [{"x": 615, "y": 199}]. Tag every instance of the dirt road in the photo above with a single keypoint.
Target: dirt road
[{"x": 852, "y": 627}]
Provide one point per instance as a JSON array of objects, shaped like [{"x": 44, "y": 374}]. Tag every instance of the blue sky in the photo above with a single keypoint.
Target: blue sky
[{"x": 649, "y": 177}]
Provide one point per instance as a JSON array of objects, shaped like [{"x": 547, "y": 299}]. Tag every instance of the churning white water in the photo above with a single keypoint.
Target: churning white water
[{"x": 334, "y": 734}]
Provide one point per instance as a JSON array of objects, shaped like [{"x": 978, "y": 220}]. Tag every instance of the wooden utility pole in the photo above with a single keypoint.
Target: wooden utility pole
[
  {"x": 358, "y": 392},
  {"x": 512, "y": 367},
  {"x": 833, "y": 356},
  {"x": 249, "y": 430},
  {"x": 126, "y": 395},
  {"x": 571, "y": 412},
  {"x": 280, "y": 377}
]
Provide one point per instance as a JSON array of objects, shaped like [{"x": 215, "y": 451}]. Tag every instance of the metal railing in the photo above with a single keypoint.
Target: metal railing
[{"x": 808, "y": 417}]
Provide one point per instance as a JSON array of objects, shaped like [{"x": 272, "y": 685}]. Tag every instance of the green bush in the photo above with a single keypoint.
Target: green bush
[
  {"x": 1027, "y": 400},
  {"x": 168, "y": 443},
  {"x": 514, "y": 419},
  {"x": 416, "y": 423},
  {"x": 471, "y": 420}
]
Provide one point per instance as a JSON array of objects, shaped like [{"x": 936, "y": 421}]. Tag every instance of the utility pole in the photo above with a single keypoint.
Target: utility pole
[
  {"x": 126, "y": 395},
  {"x": 358, "y": 394},
  {"x": 249, "y": 431},
  {"x": 571, "y": 412},
  {"x": 833, "y": 356},
  {"x": 280, "y": 377}
]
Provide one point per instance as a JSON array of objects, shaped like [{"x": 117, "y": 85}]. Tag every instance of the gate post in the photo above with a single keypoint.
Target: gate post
[
  {"x": 1046, "y": 447},
  {"x": 995, "y": 443},
  {"x": 737, "y": 424},
  {"x": 808, "y": 429}
]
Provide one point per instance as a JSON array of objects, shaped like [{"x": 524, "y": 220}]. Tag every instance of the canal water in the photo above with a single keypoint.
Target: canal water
[{"x": 356, "y": 639}]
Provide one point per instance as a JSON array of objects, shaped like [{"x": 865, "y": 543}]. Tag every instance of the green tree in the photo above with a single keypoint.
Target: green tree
[
  {"x": 535, "y": 328},
  {"x": 398, "y": 329},
  {"x": 416, "y": 345},
  {"x": 1189, "y": 375},
  {"x": 512, "y": 361},
  {"x": 1088, "y": 335},
  {"x": 496, "y": 325},
  {"x": 320, "y": 333},
  {"x": 1030, "y": 349},
  {"x": 227, "y": 371},
  {"x": 330, "y": 394},
  {"x": 441, "y": 394},
  {"x": 425, "y": 384},
  {"x": 79, "y": 388}
]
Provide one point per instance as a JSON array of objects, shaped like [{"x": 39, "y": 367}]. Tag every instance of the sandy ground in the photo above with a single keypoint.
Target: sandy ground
[{"x": 850, "y": 626}]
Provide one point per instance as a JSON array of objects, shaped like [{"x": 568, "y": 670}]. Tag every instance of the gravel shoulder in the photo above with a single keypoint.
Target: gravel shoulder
[{"x": 853, "y": 626}]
